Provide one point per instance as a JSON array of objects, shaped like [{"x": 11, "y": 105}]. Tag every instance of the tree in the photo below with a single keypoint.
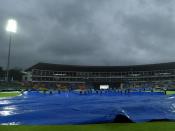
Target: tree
[
  {"x": 16, "y": 74},
  {"x": 1, "y": 69}
]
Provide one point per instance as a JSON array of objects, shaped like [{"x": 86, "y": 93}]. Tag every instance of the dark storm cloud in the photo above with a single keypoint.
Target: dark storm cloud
[{"x": 92, "y": 32}]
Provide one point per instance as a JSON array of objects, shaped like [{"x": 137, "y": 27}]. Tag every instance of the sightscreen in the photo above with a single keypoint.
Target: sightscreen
[{"x": 104, "y": 87}]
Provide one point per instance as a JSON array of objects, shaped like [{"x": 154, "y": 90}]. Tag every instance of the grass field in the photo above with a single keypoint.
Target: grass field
[
  {"x": 170, "y": 92},
  {"x": 9, "y": 94},
  {"x": 159, "y": 126}
]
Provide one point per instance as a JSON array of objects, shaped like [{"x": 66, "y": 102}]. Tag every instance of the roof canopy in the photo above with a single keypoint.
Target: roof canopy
[{"x": 58, "y": 67}]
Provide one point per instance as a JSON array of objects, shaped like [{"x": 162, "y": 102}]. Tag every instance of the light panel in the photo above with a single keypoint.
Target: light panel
[{"x": 11, "y": 26}]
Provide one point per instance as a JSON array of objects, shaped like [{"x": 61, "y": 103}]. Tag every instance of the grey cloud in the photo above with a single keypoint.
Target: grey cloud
[
  {"x": 90, "y": 32},
  {"x": 153, "y": 33}
]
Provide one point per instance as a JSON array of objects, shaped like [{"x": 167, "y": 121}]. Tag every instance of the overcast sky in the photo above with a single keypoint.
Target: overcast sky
[{"x": 89, "y": 32}]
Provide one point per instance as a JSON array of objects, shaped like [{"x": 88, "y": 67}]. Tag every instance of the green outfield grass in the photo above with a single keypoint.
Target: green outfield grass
[
  {"x": 155, "y": 126},
  {"x": 9, "y": 94},
  {"x": 170, "y": 92}
]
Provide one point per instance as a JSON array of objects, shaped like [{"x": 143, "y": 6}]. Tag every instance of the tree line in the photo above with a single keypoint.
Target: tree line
[{"x": 15, "y": 74}]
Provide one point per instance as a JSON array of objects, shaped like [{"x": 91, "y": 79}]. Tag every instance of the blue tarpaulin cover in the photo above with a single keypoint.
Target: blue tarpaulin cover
[{"x": 34, "y": 108}]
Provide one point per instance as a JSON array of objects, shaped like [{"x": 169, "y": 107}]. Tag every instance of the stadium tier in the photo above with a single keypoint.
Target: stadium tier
[{"x": 115, "y": 76}]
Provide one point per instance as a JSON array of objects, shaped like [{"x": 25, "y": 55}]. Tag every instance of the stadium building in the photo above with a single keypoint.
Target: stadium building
[{"x": 94, "y": 76}]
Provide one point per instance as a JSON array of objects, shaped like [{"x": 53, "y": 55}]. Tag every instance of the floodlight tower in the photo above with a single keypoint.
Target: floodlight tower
[{"x": 11, "y": 28}]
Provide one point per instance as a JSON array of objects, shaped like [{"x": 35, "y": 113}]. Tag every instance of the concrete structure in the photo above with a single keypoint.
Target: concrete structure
[{"x": 115, "y": 76}]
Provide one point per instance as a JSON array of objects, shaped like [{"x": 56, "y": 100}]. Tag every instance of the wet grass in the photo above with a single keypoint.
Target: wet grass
[
  {"x": 170, "y": 92},
  {"x": 9, "y": 94},
  {"x": 159, "y": 126}
]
